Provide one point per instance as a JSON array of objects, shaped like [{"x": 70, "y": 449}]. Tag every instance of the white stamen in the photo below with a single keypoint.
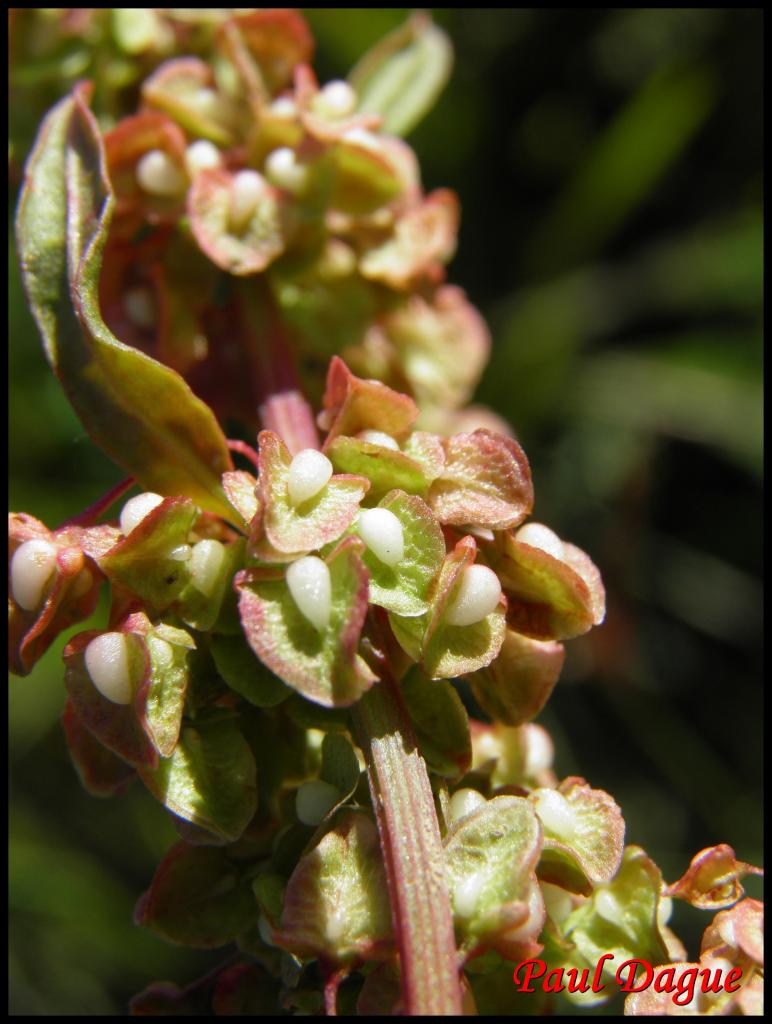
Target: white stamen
[
  {"x": 309, "y": 472},
  {"x": 539, "y": 750},
  {"x": 135, "y": 510},
  {"x": 283, "y": 169},
  {"x": 209, "y": 102},
  {"x": 539, "y": 536},
  {"x": 533, "y": 922},
  {"x": 158, "y": 174},
  {"x": 477, "y": 594},
  {"x": 284, "y": 107},
  {"x": 31, "y": 568},
  {"x": 201, "y": 155},
  {"x": 361, "y": 137},
  {"x": 467, "y": 894},
  {"x": 337, "y": 99},
  {"x": 464, "y": 801},
  {"x": 107, "y": 662},
  {"x": 309, "y": 583},
  {"x": 557, "y": 901},
  {"x": 727, "y": 932},
  {"x": 664, "y": 910},
  {"x": 555, "y": 812},
  {"x": 247, "y": 189},
  {"x": 383, "y": 534},
  {"x": 205, "y": 564},
  {"x": 314, "y": 799},
  {"x": 486, "y": 748},
  {"x": 378, "y": 437},
  {"x": 140, "y": 307},
  {"x": 181, "y": 553},
  {"x": 607, "y": 905}
]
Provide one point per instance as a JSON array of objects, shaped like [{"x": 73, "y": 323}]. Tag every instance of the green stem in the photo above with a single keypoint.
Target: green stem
[{"x": 410, "y": 841}]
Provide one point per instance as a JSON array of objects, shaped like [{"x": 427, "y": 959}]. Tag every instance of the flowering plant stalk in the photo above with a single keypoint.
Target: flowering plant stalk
[{"x": 281, "y": 660}]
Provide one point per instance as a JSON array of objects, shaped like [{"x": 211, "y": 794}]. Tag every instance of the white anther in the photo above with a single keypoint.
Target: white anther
[
  {"x": 533, "y": 922},
  {"x": 209, "y": 102},
  {"x": 539, "y": 750},
  {"x": 607, "y": 905},
  {"x": 181, "y": 553},
  {"x": 140, "y": 307},
  {"x": 135, "y": 510},
  {"x": 337, "y": 99},
  {"x": 539, "y": 536},
  {"x": 314, "y": 799},
  {"x": 32, "y": 566},
  {"x": 107, "y": 662},
  {"x": 205, "y": 564},
  {"x": 383, "y": 534},
  {"x": 477, "y": 594},
  {"x": 283, "y": 169},
  {"x": 555, "y": 812},
  {"x": 557, "y": 901},
  {"x": 727, "y": 932},
  {"x": 464, "y": 801},
  {"x": 201, "y": 155},
  {"x": 487, "y": 748},
  {"x": 158, "y": 174},
  {"x": 309, "y": 583},
  {"x": 309, "y": 472},
  {"x": 284, "y": 107},
  {"x": 664, "y": 910},
  {"x": 467, "y": 895},
  {"x": 378, "y": 437},
  {"x": 247, "y": 189},
  {"x": 362, "y": 137}
]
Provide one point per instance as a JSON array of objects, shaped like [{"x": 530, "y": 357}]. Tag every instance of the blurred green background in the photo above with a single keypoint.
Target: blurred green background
[{"x": 609, "y": 168}]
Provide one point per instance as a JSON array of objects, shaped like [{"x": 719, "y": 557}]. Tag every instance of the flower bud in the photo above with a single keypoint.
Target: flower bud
[
  {"x": 539, "y": 750},
  {"x": 539, "y": 536},
  {"x": 284, "y": 107},
  {"x": 464, "y": 801},
  {"x": 32, "y": 566},
  {"x": 314, "y": 799},
  {"x": 107, "y": 662},
  {"x": 201, "y": 155},
  {"x": 283, "y": 169},
  {"x": 158, "y": 174},
  {"x": 382, "y": 533},
  {"x": 309, "y": 584},
  {"x": 477, "y": 594},
  {"x": 135, "y": 510},
  {"x": 247, "y": 188},
  {"x": 205, "y": 564},
  {"x": 378, "y": 437},
  {"x": 336, "y": 100},
  {"x": 555, "y": 812},
  {"x": 309, "y": 472}
]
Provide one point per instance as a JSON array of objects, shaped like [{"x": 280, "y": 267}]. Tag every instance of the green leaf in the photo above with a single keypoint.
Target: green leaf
[
  {"x": 340, "y": 766},
  {"x": 515, "y": 687},
  {"x": 197, "y": 898},
  {"x": 336, "y": 904},
  {"x": 405, "y": 587},
  {"x": 324, "y": 667},
  {"x": 169, "y": 677},
  {"x": 385, "y": 468},
  {"x": 141, "y": 413},
  {"x": 209, "y": 779},
  {"x": 441, "y": 724},
  {"x": 175, "y": 88},
  {"x": 141, "y": 561},
  {"x": 245, "y": 673},
  {"x": 402, "y": 75},
  {"x": 490, "y": 856},
  {"x": 584, "y": 835}
]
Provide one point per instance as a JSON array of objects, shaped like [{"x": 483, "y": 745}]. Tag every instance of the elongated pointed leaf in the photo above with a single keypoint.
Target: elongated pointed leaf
[{"x": 141, "y": 413}]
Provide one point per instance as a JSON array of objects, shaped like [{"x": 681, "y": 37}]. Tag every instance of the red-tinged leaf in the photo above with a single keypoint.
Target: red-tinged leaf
[
  {"x": 245, "y": 990},
  {"x": 352, "y": 404},
  {"x": 241, "y": 490},
  {"x": 366, "y": 176},
  {"x": 739, "y": 929},
  {"x": 277, "y": 39},
  {"x": 292, "y": 530},
  {"x": 712, "y": 880},
  {"x": 101, "y": 773},
  {"x": 658, "y": 998},
  {"x": 165, "y": 999},
  {"x": 209, "y": 780},
  {"x": 336, "y": 904},
  {"x": 140, "y": 412},
  {"x": 381, "y": 994},
  {"x": 198, "y": 897},
  {"x": 318, "y": 124},
  {"x": 69, "y": 597},
  {"x": 515, "y": 687},
  {"x": 584, "y": 835},
  {"x": 175, "y": 88},
  {"x": 142, "y": 561},
  {"x": 442, "y": 345},
  {"x": 486, "y": 482},
  {"x": 324, "y": 667},
  {"x": 547, "y": 597},
  {"x": 239, "y": 249},
  {"x": 121, "y": 728},
  {"x": 424, "y": 238}
]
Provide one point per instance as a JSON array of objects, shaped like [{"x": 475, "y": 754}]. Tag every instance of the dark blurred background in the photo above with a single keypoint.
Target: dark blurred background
[{"x": 609, "y": 168}]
